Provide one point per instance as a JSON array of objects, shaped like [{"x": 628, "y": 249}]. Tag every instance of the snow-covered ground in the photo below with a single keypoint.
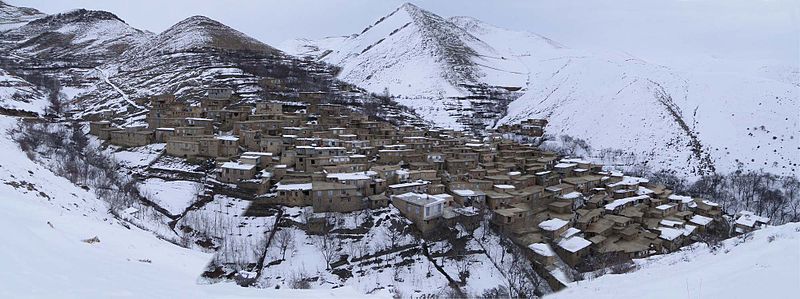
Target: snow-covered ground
[
  {"x": 766, "y": 266},
  {"x": 175, "y": 196},
  {"x": 16, "y": 93}
]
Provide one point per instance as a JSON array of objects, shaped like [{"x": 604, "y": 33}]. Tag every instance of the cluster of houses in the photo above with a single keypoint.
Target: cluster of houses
[{"x": 334, "y": 159}]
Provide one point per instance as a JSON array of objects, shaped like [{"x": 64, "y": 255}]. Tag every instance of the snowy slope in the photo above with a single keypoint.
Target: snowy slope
[
  {"x": 413, "y": 52},
  {"x": 757, "y": 268},
  {"x": 304, "y": 47},
  {"x": 12, "y": 16},
  {"x": 40, "y": 260},
  {"x": 197, "y": 32},
  {"x": 689, "y": 122},
  {"x": 92, "y": 36},
  {"x": 16, "y": 93},
  {"x": 185, "y": 60}
]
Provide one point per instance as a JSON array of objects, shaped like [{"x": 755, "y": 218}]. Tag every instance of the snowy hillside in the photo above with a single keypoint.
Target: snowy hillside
[
  {"x": 426, "y": 61},
  {"x": 765, "y": 266},
  {"x": 689, "y": 123},
  {"x": 16, "y": 93},
  {"x": 12, "y": 17},
  {"x": 414, "y": 52},
  {"x": 91, "y": 36},
  {"x": 45, "y": 218},
  {"x": 197, "y": 32},
  {"x": 304, "y": 47}
]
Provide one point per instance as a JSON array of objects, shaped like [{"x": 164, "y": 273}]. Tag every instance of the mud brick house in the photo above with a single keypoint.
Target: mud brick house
[
  {"x": 293, "y": 194},
  {"x": 747, "y": 221},
  {"x": 336, "y": 197},
  {"x": 97, "y": 128},
  {"x": 468, "y": 197},
  {"x": 131, "y": 137},
  {"x": 416, "y": 186},
  {"x": 424, "y": 210},
  {"x": 233, "y": 172}
]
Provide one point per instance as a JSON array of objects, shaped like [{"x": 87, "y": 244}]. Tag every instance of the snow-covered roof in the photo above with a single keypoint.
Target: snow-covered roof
[
  {"x": 515, "y": 173},
  {"x": 628, "y": 181},
  {"x": 553, "y": 224},
  {"x": 466, "y": 192},
  {"x": 351, "y": 176},
  {"x": 228, "y": 138},
  {"x": 256, "y": 154},
  {"x": 572, "y": 195},
  {"x": 542, "y": 249},
  {"x": 290, "y": 187},
  {"x": 570, "y": 232},
  {"x": 237, "y": 165},
  {"x": 411, "y": 184},
  {"x": 644, "y": 191},
  {"x": 505, "y": 186},
  {"x": 574, "y": 244},
  {"x": 700, "y": 220},
  {"x": 664, "y": 207},
  {"x": 670, "y": 223},
  {"x": 574, "y": 160},
  {"x": 421, "y": 199},
  {"x": 749, "y": 219},
  {"x": 565, "y": 165},
  {"x": 688, "y": 229},
  {"x": 622, "y": 201},
  {"x": 669, "y": 234},
  {"x": 681, "y": 198}
]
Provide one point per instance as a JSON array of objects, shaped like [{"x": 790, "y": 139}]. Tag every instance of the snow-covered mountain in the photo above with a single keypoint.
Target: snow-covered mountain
[
  {"x": 764, "y": 266},
  {"x": 189, "y": 57},
  {"x": 53, "y": 53},
  {"x": 429, "y": 62},
  {"x": 693, "y": 123},
  {"x": 80, "y": 36},
  {"x": 689, "y": 123},
  {"x": 12, "y": 16}
]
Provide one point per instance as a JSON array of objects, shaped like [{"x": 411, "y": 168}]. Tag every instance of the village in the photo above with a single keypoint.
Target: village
[{"x": 333, "y": 158}]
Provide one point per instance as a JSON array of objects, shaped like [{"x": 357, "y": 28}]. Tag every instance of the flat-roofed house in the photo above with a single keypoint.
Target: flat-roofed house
[
  {"x": 468, "y": 197},
  {"x": 424, "y": 210},
  {"x": 573, "y": 249},
  {"x": 233, "y": 172},
  {"x": 131, "y": 137},
  {"x": 293, "y": 194},
  {"x": 335, "y": 197}
]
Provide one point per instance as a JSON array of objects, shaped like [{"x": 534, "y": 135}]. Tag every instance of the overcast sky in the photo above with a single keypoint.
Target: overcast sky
[{"x": 683, "y": 34}]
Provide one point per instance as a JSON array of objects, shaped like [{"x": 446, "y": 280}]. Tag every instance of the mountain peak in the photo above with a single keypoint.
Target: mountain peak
[
  {"x": 197, "y": 32},
  {"x": 198, "y": 20},
  {"x": 10, "y": 14},
  {"x": 78, "y": 15},
  {"x": 408, "y": 6}
]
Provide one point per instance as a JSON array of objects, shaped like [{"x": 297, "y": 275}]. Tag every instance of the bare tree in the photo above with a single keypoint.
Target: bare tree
[
  {"x": 392, "y": 236},
  {"x": 326, "y": 244},
  {"x": 285, "y": 241}
]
